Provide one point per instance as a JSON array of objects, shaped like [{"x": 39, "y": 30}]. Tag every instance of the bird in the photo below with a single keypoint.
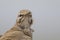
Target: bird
[
  {"x": 25, "y": 21},
  {"x": 22, "y": 28}
]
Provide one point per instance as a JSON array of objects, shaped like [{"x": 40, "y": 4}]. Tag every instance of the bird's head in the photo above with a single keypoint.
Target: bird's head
[{"x": 23, "y": 14}]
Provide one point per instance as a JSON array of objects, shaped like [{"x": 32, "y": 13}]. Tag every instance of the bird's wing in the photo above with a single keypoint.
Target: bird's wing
[{"x": 16, "y": 35}]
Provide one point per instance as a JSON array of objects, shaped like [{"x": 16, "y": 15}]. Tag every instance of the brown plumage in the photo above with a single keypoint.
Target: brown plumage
[{"x": 22, "y": 29}]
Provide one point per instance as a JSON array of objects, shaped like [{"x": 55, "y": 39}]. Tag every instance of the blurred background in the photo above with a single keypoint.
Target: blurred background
[{"x": 46, "y": 15}]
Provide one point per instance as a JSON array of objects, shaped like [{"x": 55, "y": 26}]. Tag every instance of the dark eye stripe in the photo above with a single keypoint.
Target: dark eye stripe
[{"x": 20, "y": 15}]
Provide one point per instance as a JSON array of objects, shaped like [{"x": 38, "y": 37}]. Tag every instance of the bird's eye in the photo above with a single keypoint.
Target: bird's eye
[{"x": 20, "y": 15}]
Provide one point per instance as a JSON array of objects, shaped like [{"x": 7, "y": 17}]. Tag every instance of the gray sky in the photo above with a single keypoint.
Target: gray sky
[{"x": 45, "y": 13}]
